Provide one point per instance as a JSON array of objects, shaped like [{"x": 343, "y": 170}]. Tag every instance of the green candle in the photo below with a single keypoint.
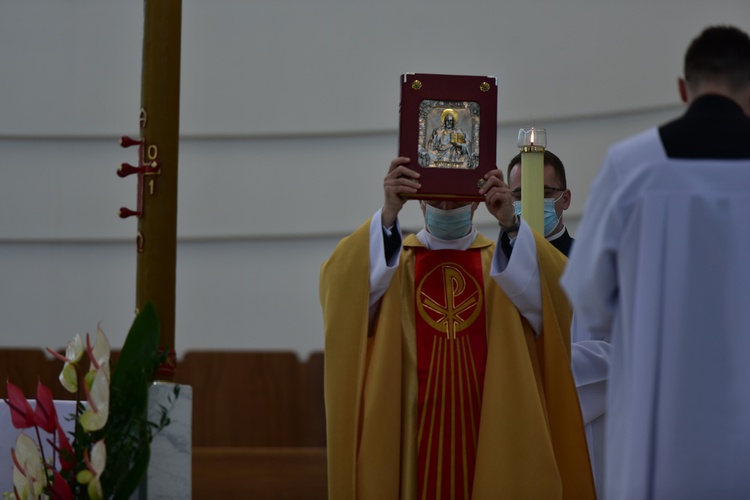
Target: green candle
[{"x": 532, "y": 143}]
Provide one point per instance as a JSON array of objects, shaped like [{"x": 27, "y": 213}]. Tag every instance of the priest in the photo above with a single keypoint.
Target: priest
[{"x": 436, "y": 384}]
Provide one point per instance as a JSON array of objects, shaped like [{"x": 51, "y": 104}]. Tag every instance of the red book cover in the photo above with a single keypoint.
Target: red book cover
[{"x": 448, "y": 128}]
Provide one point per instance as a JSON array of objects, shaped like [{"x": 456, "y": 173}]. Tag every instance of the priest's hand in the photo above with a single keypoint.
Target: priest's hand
[
  {"x": 498, "y": 198},
  {"x": 400, "y": 180}
]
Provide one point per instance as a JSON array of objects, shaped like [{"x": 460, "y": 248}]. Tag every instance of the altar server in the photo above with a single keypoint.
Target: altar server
[{"x": 660, "y": 270}]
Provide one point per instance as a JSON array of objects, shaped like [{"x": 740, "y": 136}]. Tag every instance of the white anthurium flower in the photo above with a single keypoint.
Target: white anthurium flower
[
  {"x": 95, "y": 467},
  {"x": 97, "y": 410},
  {"x": 73, "y": 354},
  {"x": 74, "y": 351},
  {"x": 28, "y": 471},
  {"x": 69, "y": 377},
  {"x": 23, "y": 485},
  {"x": 100, "y": 352}
]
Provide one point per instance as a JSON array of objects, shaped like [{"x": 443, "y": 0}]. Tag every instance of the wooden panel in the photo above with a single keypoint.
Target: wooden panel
[
  {"x": 254, "y": 399},
  {"x": 259, "y": 473},
  {"x": 26, "y": 367},
  {"x": 314, "y": 416}
]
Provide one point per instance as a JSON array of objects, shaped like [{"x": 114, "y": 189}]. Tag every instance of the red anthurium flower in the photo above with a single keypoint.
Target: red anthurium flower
[
  {"x": 67, "y": 455},
  {"x": 21, "y": 413},
  {"x": 60, "y": 488},
  {"x": 45, "y": 415}
]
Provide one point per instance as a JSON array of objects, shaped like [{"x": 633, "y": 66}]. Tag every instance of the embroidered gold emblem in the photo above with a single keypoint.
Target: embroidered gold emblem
[{"x": 458, "y": 306}]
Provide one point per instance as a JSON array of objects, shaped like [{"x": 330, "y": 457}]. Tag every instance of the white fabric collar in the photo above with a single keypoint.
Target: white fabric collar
[
  {"x": 553, "y": 238},
  {"x": 434, "y": 243}
]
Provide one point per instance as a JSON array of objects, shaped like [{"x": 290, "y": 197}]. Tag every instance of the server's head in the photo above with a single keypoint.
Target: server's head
[{"x": 718, "y": 62}]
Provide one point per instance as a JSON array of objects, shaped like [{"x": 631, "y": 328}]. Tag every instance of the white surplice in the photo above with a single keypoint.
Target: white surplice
[{"x": 661, "y": 270}]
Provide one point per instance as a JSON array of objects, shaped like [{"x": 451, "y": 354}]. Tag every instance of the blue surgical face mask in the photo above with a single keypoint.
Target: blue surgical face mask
[
  {"x": 550, "y": 215},
  {"x": 448, "y": 224}
]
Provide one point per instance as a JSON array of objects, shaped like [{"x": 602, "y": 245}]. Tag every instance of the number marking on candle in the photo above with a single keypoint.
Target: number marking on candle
[{"x": 143, "y": 118}]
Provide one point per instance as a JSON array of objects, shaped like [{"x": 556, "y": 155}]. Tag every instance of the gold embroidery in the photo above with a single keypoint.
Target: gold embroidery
[
  {"x": 458, "y": 309},
  {"x": 432, "y": 373},
  {"x": 464, "y": 455}
]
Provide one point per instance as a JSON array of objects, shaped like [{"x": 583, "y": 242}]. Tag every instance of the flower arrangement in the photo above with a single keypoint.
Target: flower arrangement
[{"x": 109, "y": 452}]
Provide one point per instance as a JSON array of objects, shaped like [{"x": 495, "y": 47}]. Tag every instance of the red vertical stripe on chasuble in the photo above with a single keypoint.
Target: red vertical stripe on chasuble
[{"x": 451, "y": 358}]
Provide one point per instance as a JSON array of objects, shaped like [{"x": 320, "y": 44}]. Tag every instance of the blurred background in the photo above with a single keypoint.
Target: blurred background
[{"x": 288, "y": 121}]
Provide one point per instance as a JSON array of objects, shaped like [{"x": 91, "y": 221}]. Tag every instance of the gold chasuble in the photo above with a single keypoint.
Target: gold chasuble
[{"x": 450, "y": 396}]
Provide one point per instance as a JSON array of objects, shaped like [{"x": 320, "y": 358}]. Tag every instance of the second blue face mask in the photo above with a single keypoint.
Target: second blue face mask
[{"x": 550, "y": 215}]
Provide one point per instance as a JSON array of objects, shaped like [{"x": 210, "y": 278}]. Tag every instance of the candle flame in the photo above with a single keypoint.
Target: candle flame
[{"x": 532, "y": 136}]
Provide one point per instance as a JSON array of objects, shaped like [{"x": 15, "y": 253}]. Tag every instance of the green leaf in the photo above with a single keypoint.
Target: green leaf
[
  {"x": 130, "y": 482},
  {"x": 140, "y": 345}
]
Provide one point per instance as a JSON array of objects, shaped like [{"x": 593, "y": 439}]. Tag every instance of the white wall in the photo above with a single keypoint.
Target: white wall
[{"x": 288, "y": 117}]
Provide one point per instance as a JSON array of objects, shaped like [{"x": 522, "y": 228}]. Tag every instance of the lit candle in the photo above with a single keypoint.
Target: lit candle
[{"x": 532, "y": 143}]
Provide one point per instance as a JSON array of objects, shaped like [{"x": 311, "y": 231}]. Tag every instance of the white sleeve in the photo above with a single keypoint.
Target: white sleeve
[
  {"x": 595, "y": 432},
  {"x": 590, "y": 278},
  {"x": 381, "y": 271},
  {"x": 590, "y": 281},
  {"x": 519, "y": 276},
  {"x": 590, "y": 365}
]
